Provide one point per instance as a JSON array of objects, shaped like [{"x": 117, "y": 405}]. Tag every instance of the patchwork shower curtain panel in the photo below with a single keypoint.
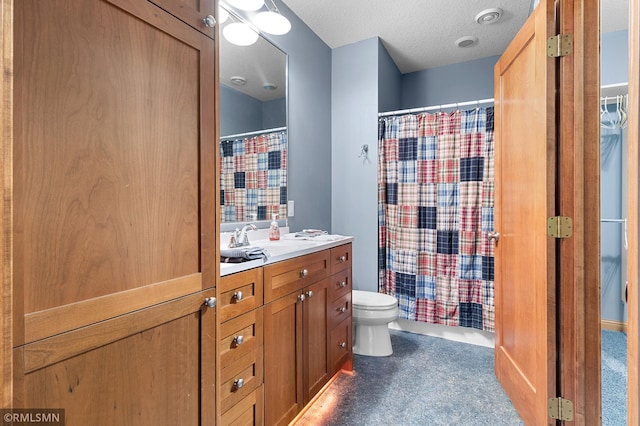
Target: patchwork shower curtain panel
[
  {"x": 435, "y": 208},
  {"x": 253, "y": 177}
]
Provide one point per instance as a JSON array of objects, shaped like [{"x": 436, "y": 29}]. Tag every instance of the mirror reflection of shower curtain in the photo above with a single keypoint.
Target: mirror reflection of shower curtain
[{"x": 613, "y": 206}]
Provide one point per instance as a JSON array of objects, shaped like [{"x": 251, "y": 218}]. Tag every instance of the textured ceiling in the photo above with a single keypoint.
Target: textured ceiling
[{"x": 421, "y": 34}]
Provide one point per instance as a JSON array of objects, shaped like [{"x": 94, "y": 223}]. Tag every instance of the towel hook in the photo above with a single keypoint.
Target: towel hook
[{"x": 364, "y": 153}]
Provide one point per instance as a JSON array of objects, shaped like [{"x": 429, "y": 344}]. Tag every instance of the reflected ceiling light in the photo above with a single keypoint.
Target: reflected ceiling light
[
  {"x": 249, "y": 5},
  {"x": 239, "y": 34},
  {"x": 467, "y": 41},
  {"x": 489, "y": 16},
  {"x": 272, "y": 21},
  {"x": 238, "y": 80},
  {"x": 270, "y": 86},
  {"x": 223, "y": 15}
]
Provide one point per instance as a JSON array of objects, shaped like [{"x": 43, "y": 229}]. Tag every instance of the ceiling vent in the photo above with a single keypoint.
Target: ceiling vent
[
  {"x": 489, "y": 16},
  {"x": 238, "y": 80},
  {"x": 467, "y": 41}
]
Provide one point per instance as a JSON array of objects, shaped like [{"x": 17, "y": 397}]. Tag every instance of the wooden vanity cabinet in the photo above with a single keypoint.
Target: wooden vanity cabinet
[
  {"x": 240, "y": 348},
  {"x": 112, "y": 233},
  {"x": 341, "y": 339},
  {"x": 295, "y": 335}
]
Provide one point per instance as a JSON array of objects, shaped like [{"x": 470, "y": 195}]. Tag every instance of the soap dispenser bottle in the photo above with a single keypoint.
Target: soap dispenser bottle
[{"x": 274, "y": 230}]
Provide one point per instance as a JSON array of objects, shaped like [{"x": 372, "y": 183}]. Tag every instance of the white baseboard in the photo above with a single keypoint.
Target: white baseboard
[{"x": 457, "y": 334}]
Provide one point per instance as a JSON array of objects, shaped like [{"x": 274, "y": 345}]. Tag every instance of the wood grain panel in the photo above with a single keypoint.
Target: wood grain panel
[
  {"x": 315, "y": 332},
  {"x": 340, "y": 258},
  {"x": 191, "y": 11},
  {"x": 249, "y": 283},
  {"x": 107, "y": 195},
  {"x": 58, "y": 348},
  {"x": 340, "y": 284},
  {"x": 284, "y": 277},
  {"x": 6, "y": 219},
  {"x": 247, "y": 412},
  {"x": 146, "y": 378}
]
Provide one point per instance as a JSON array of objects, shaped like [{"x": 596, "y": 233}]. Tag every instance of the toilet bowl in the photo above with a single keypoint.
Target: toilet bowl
[{"x": 372, "y": 313}]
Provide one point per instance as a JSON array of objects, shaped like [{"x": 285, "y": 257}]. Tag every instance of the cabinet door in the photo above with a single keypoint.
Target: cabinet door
[
  {"x": 315, "y": 326},
  {"x": 283, "y": 359},
  {"x": 193, "y": 12},
  {"x": 114, "y": 162},
  {"x": 143, "y": 368}
]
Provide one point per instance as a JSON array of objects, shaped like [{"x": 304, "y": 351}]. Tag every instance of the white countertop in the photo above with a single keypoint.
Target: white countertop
[{"x": 288, "y": 247}]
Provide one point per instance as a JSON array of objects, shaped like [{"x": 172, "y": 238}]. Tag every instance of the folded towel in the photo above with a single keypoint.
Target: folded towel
[
  {"x": 237, "y": 255},
  {"x": 310, "y": 233}
]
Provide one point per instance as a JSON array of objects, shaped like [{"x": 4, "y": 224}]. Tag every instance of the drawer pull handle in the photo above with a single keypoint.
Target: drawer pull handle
[
  {"x": 342, "y": 259},
  {"x": 304, "y": 273},
  {"x": 342, "y": 310},
  {"x": 343, "y": 345},
  {"x": 342, "y": 284},
  {"x": 238, "y": 340},
  {"x": 210, "y": 302},
  {"x": 238, "y": 295},
  {"x": 309, "y": 293},
  {"x": 301, "y": 297},
  {"x": 238, "y": 383}
]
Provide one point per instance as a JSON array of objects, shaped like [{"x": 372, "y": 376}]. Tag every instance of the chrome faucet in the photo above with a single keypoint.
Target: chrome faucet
[{"x": 239, "y": 237}]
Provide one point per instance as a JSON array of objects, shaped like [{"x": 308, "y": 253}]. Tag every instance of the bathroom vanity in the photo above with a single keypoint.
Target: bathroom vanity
[{"x": 284, "y": 329}]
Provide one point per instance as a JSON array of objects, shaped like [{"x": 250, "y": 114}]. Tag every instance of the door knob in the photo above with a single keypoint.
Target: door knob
[
  {"x": 238, "y": 383},
  {"x": 238, "y": 295},
  {"x": 301, "y": 297},
  {"x": 309, "y": 293},
  {"x": 210, "y": 302},
  {"x": 495, "y": 236},
  {"x": 238, "y": 340},
  {"x": 304, "y": 273}
]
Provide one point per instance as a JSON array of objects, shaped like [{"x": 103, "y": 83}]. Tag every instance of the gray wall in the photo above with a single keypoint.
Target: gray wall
[
  {"x": 309, "y": 109},
  {"x": 239, "y": 112}
]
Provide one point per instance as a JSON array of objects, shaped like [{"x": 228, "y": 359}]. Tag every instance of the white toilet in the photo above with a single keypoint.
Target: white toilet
[{"x": 372, "y": 313}]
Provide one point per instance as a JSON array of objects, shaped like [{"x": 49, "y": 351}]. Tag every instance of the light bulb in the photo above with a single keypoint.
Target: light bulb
[
  {"x": 239, "y": 34},
  {"x": 272, "y": 23}
]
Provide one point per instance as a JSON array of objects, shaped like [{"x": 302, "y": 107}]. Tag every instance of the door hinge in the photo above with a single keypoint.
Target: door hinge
[
  {"x": 561, "y": 409},
  {"x": 559, "y": 227},
  {"x": 559, "y": 45}
]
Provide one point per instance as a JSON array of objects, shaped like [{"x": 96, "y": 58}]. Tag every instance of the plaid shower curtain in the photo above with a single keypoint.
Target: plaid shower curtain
[
  {"x": 435, "y": 207},
  {"x": 253, "y": 177}
]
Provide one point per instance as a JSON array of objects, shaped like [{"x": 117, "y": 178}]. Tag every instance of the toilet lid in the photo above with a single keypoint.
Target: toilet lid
[{"x": 372, "y": 301}]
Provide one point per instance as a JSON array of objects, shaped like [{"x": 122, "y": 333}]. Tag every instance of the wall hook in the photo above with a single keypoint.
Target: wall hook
[{"x": 364, "y": 153}]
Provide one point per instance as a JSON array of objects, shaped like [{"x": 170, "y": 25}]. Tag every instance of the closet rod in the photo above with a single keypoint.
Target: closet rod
[
  {"x": 431, "y": 108},
  {"x": 257, "y": 132}
]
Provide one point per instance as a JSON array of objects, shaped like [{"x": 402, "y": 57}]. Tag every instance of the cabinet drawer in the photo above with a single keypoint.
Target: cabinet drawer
[
  {"x": 239, "y": 379},
  {"x": 288, "y": 276},
  {"x": 241, "y": 336},
  {"x": 239, "y": 293},
  {"x": 340, "y": 310},
  {"x": 248, "y": 412},
  {"x": 340, "y": 258},
  {"x": 340, "y": 348},
  {"x": 340, "y": 284}
]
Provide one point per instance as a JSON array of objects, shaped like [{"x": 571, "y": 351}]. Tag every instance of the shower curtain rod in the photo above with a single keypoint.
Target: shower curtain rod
[
  {"x": 431, "y": 108},
  {"x": 257, "y": 132}
]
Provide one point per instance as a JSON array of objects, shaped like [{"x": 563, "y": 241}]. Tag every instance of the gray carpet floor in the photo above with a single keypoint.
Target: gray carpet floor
[
  {"x": 614, "y": 378},
  {"x": 427, "y": 381},
  {"x": 433, "y": 381}
]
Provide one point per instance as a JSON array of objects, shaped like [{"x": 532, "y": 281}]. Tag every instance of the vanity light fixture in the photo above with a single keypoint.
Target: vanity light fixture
[
  {"x": 239, "y": 34},
  {"x": 248, "y": 5},
  {"x": 223, "y": 15},
  {"x": 489, "y": 16},
  {"x": 272, "y": 21}
]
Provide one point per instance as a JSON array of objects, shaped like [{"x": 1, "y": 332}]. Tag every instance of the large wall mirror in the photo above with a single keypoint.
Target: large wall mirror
[{"x": 253, "y": 130}]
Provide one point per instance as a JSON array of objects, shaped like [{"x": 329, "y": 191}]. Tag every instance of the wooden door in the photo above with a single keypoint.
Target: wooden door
[
  {"x": 283, "y": 359},
  {"x": 315, "y": 329},
  {"x": 525, "y": 275},
  {"x": 547, "y": 289}
]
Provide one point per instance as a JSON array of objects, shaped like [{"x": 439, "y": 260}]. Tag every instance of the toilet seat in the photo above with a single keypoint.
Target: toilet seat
[{"x": 372, "y": 301}]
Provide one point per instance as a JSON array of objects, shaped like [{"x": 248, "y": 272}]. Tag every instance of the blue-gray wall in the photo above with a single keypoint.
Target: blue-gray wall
[
  {"x": 309, "y": 124},
  {"x": 614, "y": 63},
  {"x": 468, "y": 81},
  {"x": 239, "y": 113}
]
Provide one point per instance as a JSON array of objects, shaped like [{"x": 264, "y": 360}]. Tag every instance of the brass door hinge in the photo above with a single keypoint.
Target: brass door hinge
[
  {"x": 559, "y": 227},
  {"x": 561, "y": 409},
  {"x": 559, "y": 45}
]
